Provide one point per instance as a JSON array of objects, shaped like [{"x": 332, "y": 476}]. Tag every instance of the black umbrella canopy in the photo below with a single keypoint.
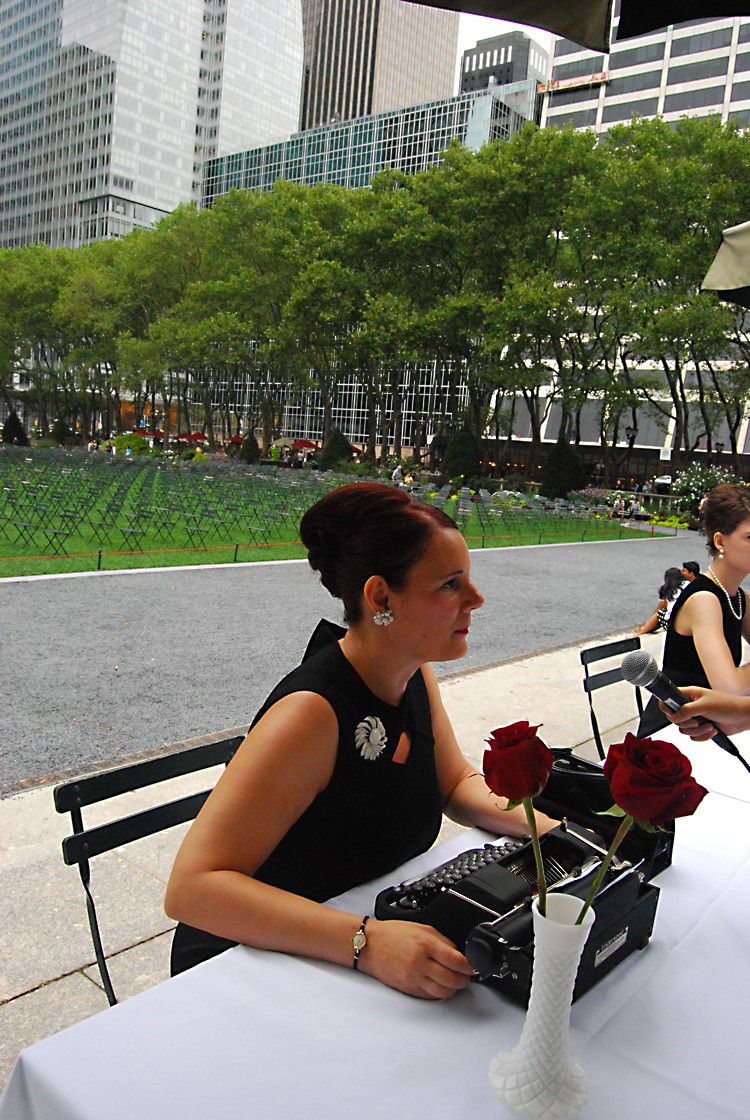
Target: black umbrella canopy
[
  {"x": 729, "y": 275},
  {"x": 589, "y": 22}
]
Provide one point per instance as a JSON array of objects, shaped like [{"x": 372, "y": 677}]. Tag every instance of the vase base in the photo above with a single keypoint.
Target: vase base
[{"x": 527, "y": 1091}]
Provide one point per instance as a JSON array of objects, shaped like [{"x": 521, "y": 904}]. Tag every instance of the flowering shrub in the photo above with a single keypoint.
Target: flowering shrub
[
  {"x": 589, "y": 494},
  {"x": 698, "y": 479}
]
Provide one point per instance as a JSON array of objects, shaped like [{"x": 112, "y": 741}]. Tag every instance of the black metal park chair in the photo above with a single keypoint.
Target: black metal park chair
[
  {"x": 593, "y": 681},
  {"x": 83, "y": 844}
]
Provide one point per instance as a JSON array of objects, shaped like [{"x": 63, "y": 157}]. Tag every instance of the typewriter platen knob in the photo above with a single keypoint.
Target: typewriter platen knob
[{"x": 489, "y": 944}]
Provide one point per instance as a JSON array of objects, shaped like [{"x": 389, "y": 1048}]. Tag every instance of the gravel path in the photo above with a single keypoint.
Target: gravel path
[{"x": 100, "y": 666}]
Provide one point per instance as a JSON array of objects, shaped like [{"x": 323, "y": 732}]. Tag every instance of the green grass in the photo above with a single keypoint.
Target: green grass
[{"x": 113, "y": 514}]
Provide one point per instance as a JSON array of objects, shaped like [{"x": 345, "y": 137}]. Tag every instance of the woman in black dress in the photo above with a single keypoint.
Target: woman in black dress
[
  {"x": 668, "y": 594},
  {"x": 351, "y": 761},
  {"x": 709, "y": 620}
]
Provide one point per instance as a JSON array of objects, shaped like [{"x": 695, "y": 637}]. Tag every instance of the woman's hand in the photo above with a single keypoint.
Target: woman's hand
[
  {"x": 414, "y": 959},
  {"x": 731, "y": 713}
]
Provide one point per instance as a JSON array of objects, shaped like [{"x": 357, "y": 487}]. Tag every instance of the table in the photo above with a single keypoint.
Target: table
[{"x": 260, "y": 1034}]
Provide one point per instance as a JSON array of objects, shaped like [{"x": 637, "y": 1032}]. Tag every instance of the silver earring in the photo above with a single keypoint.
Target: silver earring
[{"x": 384, "y": 617}]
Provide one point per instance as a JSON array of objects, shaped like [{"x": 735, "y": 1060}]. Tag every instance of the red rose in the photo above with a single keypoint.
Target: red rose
[
  {"x": 651, "y": 781},
  {"x": 518, "y": 763}
]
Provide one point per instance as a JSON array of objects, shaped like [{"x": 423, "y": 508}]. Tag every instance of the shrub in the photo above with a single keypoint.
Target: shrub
[
  {"x": 336, "y": 450},
  {"x": 698, "y": 479},
  {"x": 463, "y": 456},
  {"x": 515, "y": 483},
  {"x": 562, "y": 471},
  {"x": 250, "y": 449},
  {"x": 14, "y": 431},
  {"x": 137, "y": 444},
  {"x": 59, "y": 431}
]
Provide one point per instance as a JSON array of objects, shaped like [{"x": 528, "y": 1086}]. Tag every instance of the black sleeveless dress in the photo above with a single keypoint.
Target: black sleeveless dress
[
  {"x": 681, "y": 661},
  {"x": 374, "y": 814}
]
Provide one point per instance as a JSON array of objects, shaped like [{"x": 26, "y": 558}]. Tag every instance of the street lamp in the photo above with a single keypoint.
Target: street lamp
[{"x": 631, "y": 432}]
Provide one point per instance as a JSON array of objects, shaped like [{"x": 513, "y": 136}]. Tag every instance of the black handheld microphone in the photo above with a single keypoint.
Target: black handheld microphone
[{"x": 640, "y": 669}]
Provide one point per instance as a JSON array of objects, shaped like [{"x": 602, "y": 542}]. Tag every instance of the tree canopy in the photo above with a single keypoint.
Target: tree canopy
[{"x": 549, "y": 270}]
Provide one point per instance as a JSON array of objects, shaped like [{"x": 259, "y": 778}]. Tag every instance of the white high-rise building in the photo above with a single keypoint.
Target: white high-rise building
[
  {"x": 691, "y": 69},
  {"x": 109, "y": 108}
]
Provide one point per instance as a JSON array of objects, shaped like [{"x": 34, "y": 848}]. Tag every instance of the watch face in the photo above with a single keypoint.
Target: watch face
[{"x": 359, "y": 940}]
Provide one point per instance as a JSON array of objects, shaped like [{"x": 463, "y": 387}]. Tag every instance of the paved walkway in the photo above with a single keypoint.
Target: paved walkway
[
  {"x": 103, "y": 665},
  {"x": 47, "y": 980}
]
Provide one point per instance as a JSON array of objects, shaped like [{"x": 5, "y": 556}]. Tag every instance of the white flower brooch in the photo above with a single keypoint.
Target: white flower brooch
[{"x": 370, "y": 737}]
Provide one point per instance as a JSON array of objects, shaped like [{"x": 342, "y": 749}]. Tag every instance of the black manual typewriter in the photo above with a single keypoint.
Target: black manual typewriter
[{"x": 482, "y": 901}]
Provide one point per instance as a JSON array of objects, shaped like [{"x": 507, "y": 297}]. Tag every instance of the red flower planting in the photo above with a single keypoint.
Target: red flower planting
[
  {"x": 518, "y": 763},
  {"x": 651, "y": 781}
]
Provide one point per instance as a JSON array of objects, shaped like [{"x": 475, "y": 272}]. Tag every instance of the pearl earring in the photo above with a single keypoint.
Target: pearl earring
[
  {"x": 721, "y": 553},
  {"x": 384, "y": 617}
]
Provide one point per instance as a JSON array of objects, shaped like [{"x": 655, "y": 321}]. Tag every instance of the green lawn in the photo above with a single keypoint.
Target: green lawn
[{"x": 71, "y": 512}]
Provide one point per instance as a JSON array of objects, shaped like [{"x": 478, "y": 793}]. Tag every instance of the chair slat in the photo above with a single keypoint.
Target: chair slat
[
  {"x": 103, "y": 838},
  {"x": 609, "y": 649},
  {"x": 601, "y": 680},
  {"x": 139, "y": 775}
]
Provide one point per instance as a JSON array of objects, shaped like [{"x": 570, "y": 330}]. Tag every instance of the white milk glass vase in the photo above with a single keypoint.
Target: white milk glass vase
[{"x": 537, "y": 1078}]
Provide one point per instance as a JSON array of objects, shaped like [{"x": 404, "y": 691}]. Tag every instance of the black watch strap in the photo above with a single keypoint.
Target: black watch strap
[{"x": 359, "y": 941}]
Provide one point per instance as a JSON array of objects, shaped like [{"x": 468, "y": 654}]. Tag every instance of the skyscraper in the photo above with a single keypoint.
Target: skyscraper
[
  {"x": 502, "y": 59},
  {"x": 371, "y": 56},
  {"x": 109, "y": 109}
]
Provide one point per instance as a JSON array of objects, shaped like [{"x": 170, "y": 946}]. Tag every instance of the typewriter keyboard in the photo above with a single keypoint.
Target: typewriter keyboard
[{"x": 416, "y": 892}]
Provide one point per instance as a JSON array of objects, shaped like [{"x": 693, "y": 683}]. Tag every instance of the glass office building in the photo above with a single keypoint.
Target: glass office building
[
  {"x": 689, "y": 69},
  {"x": 351, "y": 152},
  {"x": 108, "y": 110}
]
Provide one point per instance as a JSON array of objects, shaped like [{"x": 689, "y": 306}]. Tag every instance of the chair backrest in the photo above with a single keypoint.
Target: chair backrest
[
  {"x": 593, "y": 681},
  {"x": 85, "y": 843}
]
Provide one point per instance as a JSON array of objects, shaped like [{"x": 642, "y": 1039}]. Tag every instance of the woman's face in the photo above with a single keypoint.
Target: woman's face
[
  {"x": 736, "y": 546},
  {"x": 433, "y": 611}
]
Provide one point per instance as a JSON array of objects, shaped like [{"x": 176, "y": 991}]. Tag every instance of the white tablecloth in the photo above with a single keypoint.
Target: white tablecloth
[{"x": 272, "y": 1037}]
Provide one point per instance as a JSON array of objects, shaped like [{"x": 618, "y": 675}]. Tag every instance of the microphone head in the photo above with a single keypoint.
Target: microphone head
[{"x": 639, "y": 668}]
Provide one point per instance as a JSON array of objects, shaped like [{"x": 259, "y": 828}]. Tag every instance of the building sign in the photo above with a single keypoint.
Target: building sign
[{"x": 572, "y": 83}]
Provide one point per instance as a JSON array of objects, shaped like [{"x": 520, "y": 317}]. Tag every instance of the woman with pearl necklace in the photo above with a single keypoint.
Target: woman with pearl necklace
[{"x": 709, "y": 621}]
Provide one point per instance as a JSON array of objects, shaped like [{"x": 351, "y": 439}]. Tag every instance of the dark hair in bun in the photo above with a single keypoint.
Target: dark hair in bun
[
  {"x": 726, "y": 506},
  {"x": 366, "y": 529}
]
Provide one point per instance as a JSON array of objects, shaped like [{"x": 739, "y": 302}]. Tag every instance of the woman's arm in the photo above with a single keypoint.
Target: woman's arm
[
  {"x": 701, "y": 617},
  {"x": 284, "y": 762},
  {"x": 730, "y": 713},
  {"x": 466, "y": 797},
  {"x": 652, "y": 622}
]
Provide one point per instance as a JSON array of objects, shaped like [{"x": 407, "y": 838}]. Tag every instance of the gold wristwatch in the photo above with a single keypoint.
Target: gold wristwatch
[{"x": 359, "y": 941}]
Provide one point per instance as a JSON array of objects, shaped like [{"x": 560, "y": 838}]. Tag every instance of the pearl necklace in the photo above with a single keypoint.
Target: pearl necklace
[{"x": 716, "y": 580}]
